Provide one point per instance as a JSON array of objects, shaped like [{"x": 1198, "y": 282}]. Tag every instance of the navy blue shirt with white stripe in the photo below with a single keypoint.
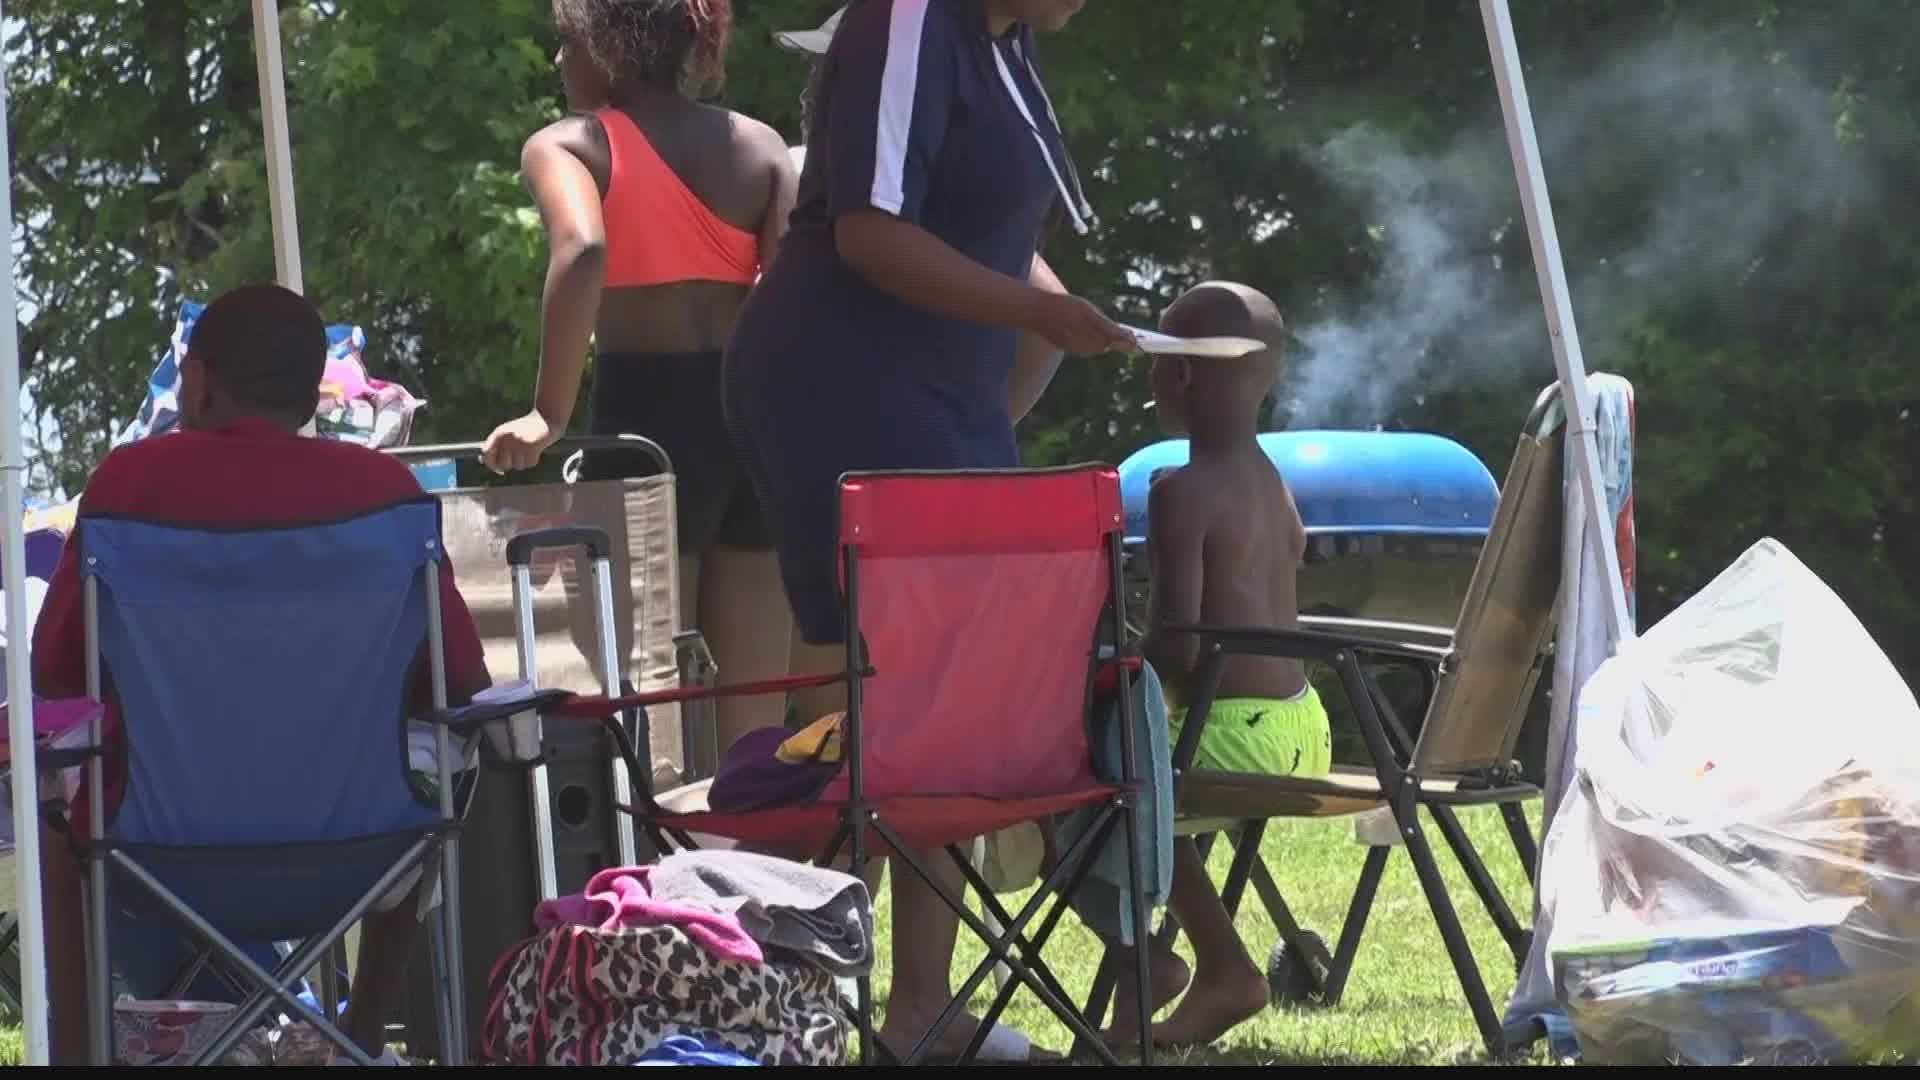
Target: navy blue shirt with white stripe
[
  {"x": 923, "y": 114},
  {"x": 914, "y": 118}
]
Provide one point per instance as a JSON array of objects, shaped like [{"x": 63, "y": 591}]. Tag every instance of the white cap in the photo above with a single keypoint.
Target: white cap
[{"x": 813, "y": 41}]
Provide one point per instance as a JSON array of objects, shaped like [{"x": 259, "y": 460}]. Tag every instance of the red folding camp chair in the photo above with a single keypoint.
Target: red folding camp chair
[{"x": 984, "y": 600}]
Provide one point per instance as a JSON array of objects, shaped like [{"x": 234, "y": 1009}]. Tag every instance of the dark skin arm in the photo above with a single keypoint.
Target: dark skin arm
[
  {"x": 1176, "y": 542},
  {"x": 910, "y": 263},
  {"x": 1037, "y": 359},
  {"x": 554, "y": 164},
  {"x": 785, "y": 187}
]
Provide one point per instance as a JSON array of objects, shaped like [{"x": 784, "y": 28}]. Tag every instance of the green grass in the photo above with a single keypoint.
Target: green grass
[{"x": 1403, "y": 1004}]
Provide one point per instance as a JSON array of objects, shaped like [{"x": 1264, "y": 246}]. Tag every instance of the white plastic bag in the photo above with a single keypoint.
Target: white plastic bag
[{"x": 1735, "y": 873}]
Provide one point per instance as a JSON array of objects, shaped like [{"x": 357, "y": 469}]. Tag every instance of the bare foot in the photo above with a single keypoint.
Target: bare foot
[
  {"x": 1215, "y": 1006},
  {"x": 1170, "y": 976}
]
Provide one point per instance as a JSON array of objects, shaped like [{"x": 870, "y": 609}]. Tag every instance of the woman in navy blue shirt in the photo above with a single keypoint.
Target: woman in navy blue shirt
[{"x": 883, "y": 334}]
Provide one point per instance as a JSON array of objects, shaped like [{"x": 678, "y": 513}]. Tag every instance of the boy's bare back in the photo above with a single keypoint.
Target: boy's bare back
[
  {"x": 1236, "y": 513},
  {"x": 1225, "y": 538}
]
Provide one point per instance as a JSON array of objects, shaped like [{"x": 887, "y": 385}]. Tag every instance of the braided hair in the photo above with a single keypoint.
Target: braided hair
[{"x": 676, "y": 43}]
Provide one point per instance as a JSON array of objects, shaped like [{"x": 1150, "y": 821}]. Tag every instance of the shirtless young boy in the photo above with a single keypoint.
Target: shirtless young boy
[{"x": 1224, "y": 543}]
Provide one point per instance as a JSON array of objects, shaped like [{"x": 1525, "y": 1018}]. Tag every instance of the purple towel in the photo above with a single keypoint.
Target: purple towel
[
  {"x": 752, "y": 777},
  {"x": 621, "y": 899}
]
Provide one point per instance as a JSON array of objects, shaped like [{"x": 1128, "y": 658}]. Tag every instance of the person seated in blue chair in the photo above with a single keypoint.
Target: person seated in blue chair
[{"x": 249, "y": 382}]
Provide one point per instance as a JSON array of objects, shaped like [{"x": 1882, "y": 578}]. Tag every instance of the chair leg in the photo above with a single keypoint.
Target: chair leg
[
  {"x": 100, "y": 968},
  {"x": 1302, "y": 950},
  {"x": 236, "y": 979},
  {"x": 275, "y": 985},
  {"x": 1001, "y": 975},
  {"x": 453, "y": 1052},
  {"x": 1004, "y": 996},
  {"x": 330, "y": 984},
  {"x": 187, "y": 975},
  {"x": 853, "y": 832},
  {"x": 1074, "y": 863},
  {"x": 1100, "y": 995},
  {"x": 1451, "y": 932},
  {"x": 1482, "y": 881},
  {"x": 1029, "y": 947},
  {"x": 437, "y": 946},
  {"x": 1292, "y": 936},
  {"x": 1515, "y": 816},
  {"x": 278, "y": 986},
  {"x": 10, "y": 961},
  {"x": 1142, "y": 924},
  {"x": 1246, "y": 853},
  {"x": 1403, "y": 794},
  {"x": 1355, "y": 925}
]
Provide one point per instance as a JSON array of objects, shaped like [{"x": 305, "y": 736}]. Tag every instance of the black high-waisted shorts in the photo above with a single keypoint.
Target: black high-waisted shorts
[{"x": 674, "y": 399}]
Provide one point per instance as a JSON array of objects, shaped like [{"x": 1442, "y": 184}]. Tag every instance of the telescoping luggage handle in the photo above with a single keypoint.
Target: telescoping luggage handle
[
  {"x": 520, "y": 552},
  {"x": 521, "y": 549}
]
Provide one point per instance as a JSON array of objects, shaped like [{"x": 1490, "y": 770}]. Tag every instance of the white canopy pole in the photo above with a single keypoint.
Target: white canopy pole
[
  {"x": 1534, "y": 990},
  {"x": 26, "y": 794},
  {"x": 1574, "y": 393},
  {"x": 273, "y": 122}
]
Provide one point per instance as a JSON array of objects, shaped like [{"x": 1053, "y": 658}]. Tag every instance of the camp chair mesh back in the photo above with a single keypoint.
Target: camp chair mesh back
[
  {"x": 979, "y": 599},
  {"x": 1506, "y": 621},
  {"x": 262, "y": 681}
]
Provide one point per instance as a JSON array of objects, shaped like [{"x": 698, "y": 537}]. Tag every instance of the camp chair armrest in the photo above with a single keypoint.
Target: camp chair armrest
[
  {"x": 581, "y": 707},
  {"x": 467, "y": 719},
  {"x": 64, "y": 757},
  {"x": 1304, "y": 644},
  {"x": 52, "y": 757},
  {"x": 602, "y": 710},
  {"x": 1417, "y": 634}
]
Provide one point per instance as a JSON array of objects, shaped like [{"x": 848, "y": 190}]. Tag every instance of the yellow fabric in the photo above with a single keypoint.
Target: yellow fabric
[
  {"x": 1264, "y": 737},
  {"x": 816, "y": 742}
]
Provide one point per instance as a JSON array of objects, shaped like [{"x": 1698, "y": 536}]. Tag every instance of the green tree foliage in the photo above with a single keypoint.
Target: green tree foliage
[
  {"x": 1767, "y": 346},
  {"x": 140, "y": 179}
]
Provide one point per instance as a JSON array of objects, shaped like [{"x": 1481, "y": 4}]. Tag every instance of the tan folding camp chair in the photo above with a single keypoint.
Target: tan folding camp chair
[
  {"x": 562, "y": 821},
  {"x": 1480, "y": 678},
  {"x": 638, "y": 515}
]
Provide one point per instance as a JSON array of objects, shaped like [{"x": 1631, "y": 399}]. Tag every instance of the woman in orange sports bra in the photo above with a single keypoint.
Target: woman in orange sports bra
[{"x": 660, "y": 212}]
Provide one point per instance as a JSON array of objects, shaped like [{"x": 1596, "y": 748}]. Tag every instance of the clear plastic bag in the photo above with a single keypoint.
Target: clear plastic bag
[{"x": 1735, "y": 873}]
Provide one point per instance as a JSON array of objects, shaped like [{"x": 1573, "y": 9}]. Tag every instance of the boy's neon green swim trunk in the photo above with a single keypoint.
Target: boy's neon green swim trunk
[{"x": 1288, "y": 737}]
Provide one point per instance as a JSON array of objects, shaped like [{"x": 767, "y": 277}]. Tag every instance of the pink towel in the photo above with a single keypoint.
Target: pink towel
[
  {"x": 619, "y": 899},
  {"x": 53, "y": 717}
]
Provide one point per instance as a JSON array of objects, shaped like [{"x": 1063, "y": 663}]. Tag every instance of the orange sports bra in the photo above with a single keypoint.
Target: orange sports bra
[{"x": 658, "y": 230}]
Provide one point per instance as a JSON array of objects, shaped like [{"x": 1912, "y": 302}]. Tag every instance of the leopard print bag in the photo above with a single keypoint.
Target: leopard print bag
[{"x": 578, "y": 995}]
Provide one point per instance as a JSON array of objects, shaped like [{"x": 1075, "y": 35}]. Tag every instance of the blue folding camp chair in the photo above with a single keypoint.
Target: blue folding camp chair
[{"x": 261, "y": 678}]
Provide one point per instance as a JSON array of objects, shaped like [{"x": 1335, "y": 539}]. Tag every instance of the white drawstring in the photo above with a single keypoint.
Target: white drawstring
[
  {"x": 1076, "y": 208},
  {"x": 1073, "y": 171}
]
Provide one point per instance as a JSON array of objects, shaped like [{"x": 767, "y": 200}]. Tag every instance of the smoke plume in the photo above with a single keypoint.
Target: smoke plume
[{"x": 1676, "y": 166}]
